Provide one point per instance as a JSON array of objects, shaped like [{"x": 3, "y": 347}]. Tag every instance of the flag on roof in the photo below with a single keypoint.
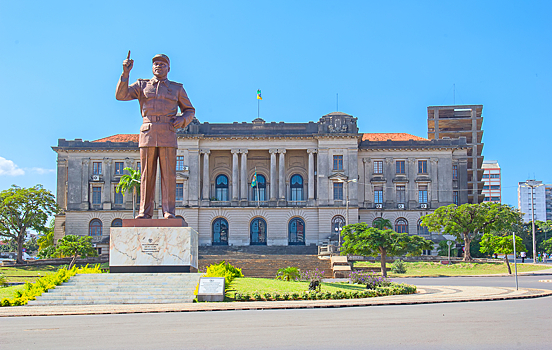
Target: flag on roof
[{"x": 259, "y": 95}]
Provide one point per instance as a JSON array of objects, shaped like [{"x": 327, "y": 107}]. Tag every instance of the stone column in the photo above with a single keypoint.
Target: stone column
[
  {"x": 243, "y": 175},
  {"x": 206, "y": 177},
  {"x": 311, "y": 153},
  {"x": 434, "y": 175},
  {"x": 235, "y": 174},
  {"x": 106, "y": 201},
  {"x": 282, "y": 175},
  {"x": 368, "y": 195},
  {"x": 272, "y": 174}
]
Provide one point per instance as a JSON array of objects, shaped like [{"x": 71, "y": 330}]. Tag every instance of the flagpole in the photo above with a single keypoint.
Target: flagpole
[
  {"x": 258, "y": 108},
  {"x": 257, "y": 184}
]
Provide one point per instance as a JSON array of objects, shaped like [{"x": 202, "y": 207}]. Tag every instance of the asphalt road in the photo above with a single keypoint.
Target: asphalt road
[{"x": 515, "y": 324}]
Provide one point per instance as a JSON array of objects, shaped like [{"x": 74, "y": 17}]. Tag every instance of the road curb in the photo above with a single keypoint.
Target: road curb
[{"x": 466, "y": 294}]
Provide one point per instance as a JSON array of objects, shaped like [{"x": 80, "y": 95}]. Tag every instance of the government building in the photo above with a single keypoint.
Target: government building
[{"x": 280, "y": 184}]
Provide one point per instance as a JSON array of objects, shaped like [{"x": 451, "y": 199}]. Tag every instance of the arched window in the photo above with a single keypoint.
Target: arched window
[
  {"x": 95, "y": 227},
  {"x": 337, "y": 224},
  {"x": 296, "y": 187},
  {"x": 401, "y": 225},
  {"x": 421, "y": 230},
  {"x": 220, "y": 232},
  {"x": 259, "y": 190},
  {"x": 258, "y": 232},
  {"x": 117, "y": 223},
  {"x": 296, "y": 232},
  {"x": 221, "y": 187}
]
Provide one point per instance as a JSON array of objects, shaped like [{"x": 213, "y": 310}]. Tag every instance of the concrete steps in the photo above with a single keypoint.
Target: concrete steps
[{"x": 127, "y": 288}]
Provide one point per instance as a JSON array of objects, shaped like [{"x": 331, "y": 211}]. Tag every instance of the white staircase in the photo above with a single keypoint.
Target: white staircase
[{"x": 123, "y": 288}]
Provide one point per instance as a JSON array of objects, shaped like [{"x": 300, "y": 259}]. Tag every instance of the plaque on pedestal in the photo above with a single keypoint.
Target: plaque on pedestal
[
  {"x": 211, "y": 289},
  {"x": 149, "y": 245}
]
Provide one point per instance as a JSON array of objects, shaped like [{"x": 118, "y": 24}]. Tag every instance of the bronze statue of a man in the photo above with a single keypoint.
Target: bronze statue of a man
[{"x": 159, "y": 100}]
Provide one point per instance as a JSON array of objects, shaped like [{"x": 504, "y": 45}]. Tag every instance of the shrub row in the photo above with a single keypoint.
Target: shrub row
[
  {"x": 392, "y": 289},
  {"x": 44, "y": 284}
]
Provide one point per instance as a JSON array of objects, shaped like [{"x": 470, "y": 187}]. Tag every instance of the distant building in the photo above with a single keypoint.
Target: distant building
[
  {"x": 492, "y": 181},
  {"x": 539, "y": 200},
  {"x": 548, "y": 195},
  {"x": 451, "y": 122}
]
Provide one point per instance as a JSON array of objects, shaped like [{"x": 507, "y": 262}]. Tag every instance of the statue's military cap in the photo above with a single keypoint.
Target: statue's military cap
[{"x": 161, "y": 57}]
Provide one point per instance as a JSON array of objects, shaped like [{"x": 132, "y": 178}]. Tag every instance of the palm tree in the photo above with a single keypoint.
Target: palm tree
[
  {"x": 382, "y": 224},
  {"x": 130, "y": 182}
]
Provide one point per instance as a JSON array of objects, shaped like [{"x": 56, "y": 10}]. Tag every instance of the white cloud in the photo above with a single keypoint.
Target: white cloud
[
  {"x": 42, "y": 171},
  {"x": 8, "y": 167}
]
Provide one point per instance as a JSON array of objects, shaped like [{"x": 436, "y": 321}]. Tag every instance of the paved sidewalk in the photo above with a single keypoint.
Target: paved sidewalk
[{"x": 425, "y": 295}]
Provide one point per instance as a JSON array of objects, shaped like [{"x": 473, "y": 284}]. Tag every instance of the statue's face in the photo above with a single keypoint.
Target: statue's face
[{"x": 160, "y": 69}]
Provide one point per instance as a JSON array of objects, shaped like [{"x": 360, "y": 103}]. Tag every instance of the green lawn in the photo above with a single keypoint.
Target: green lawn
[
  {"x": 456, "y": 269},
  {"x": 7, "y": 292},
  {"x": 264, "y": 285},
  {"x": 26, "y": 273}
]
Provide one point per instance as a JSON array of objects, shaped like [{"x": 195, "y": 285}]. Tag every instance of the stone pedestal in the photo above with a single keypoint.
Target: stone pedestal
[{"x": 146, "y": 246}]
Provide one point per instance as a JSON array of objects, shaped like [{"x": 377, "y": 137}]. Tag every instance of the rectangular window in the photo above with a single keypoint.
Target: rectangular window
[
  {"x": 400, "y": 165},
  {"x": 337, "y": 162},
  {"x": 495, "y": 176},
  {"x": 422, "y": 194},
  {"x": 180, "y": 163},
  {"x": 496, "y": 199},
  {"x": 495, "y": 187},
  {"x": 118, "y": 198},
  {"x": 378, "y": 167},
  {"x": 179, "y": 192},
  {"x": 485, "y": 187},
  {"x": 401, "y": 194},
  {"x": 455, "y": 172},
  {"x": 378, "y": 194},
  {"x": 338, "y": 190},
  {"x": 119, "y": 168},
  {"x": 455, "y": 197},
  {"x": 97, "y": 168},
  {"x": 422, "y": 167},
  {"x": 485, "y": 176},
  {"x": 96, "y": 195},
  {"x": 139, "y": 166}
]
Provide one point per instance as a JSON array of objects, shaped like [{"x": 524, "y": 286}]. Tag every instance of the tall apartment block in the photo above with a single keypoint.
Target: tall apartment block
[
  {"x": 538, "y": 200},
  {"x": 548, "y": 198},
  {"x": 491, "y": 181},
  {"x": 450, "y": 122}
]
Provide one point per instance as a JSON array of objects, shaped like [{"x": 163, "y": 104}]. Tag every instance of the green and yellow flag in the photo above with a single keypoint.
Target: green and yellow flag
[
  {"x": 259, "y": 95},
  {"x": 254, "y": 181}
]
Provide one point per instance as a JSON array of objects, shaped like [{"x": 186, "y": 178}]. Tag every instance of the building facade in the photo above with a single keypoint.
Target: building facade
[
  {"x": 492, "y": 186},
  {"x": 271, "y": 183}
]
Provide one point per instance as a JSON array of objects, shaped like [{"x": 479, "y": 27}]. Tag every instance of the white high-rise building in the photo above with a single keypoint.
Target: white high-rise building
[{"x": 539, "y": 200}]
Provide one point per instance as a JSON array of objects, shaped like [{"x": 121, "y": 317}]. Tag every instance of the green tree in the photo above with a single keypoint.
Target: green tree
[
  {"x": 9, "y": 246},
  {"x": 22, "y": 209},
  {"x": 31, "y": 245},
  {"x": 130, "y": 182},
  {"x": 361, "y": 239},
  {"x": 504, "y": 244},
  {"x": 467, "y": 221},
  {"x": 74, "y": 246},
  {"x": 444, "y": 249},
  {"x": 547, "y": 246}
]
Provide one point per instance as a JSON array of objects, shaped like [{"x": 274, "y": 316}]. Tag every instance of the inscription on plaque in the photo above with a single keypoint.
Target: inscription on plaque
[
  {"x": 150, "y": 246},
  {"x": 211, "y": 289}
]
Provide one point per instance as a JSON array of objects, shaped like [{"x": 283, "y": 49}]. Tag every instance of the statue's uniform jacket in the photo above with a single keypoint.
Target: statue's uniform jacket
[
  {"x": 160, "y": 100},
  {"x": 159, "y": 103}
]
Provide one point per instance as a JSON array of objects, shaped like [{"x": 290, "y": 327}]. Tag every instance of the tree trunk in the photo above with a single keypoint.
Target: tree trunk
[
  {"x": 20, "y": 239},
  {"x": 467, "y": 253},
  {"x": 507, "y": 264},
  {"x": 133, "y": 202},
  {"x": 73, "y": 262},
  {"x": 383, "y": 255}
]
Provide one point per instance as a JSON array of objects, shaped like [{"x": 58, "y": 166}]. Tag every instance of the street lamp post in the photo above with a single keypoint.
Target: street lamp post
[{"x": 533, "y": 184}]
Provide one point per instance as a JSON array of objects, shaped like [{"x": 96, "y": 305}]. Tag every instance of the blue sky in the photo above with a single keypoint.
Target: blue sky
[{"x": 387, "y": 60}]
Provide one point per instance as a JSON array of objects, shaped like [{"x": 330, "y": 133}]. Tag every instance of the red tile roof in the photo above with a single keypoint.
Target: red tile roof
[
  {"x": 393, "y": 136},
  {"x": 119, "y": 138}
]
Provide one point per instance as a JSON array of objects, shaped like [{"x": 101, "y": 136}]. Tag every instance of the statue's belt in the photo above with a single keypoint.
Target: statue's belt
[{"x": 159, "y": 119}]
